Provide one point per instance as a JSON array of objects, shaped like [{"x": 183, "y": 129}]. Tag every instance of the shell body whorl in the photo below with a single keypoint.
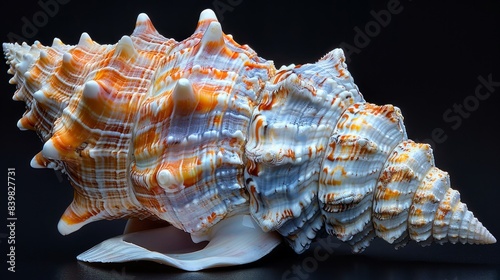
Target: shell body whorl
[{"x": 198, "y": 131}]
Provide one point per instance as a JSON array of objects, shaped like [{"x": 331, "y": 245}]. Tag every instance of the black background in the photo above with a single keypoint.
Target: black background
[{"x": 427, "y": 58}]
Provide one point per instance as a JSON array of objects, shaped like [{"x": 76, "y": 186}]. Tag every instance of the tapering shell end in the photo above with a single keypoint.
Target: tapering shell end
[
  {"x": 460, "y": 225},
  {"x": 488, "y": 238},
  {"x": 484, "y": 236}
]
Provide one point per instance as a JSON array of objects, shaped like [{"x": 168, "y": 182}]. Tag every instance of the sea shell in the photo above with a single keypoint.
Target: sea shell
[{"x": 211, "y": 138}]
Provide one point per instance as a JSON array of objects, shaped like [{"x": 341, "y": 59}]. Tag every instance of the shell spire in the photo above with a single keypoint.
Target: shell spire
[
  {"x": 345, "y": 163},
  {"x": 413, "y": 200}
]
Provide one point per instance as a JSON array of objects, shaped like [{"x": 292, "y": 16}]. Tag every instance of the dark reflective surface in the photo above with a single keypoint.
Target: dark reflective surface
[
  {"x": 426, "y": 59},
  {"x": 281, "y": 264}
]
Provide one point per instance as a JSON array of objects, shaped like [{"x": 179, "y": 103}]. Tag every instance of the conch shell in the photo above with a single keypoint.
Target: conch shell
[{"x": 211, "y": 138}]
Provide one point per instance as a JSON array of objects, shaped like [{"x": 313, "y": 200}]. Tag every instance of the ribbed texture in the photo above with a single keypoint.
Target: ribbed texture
[{"x": 198, "y": 131}]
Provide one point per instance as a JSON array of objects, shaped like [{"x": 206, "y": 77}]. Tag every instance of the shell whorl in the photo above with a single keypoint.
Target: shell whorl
[{"x": 193, "y": 132}]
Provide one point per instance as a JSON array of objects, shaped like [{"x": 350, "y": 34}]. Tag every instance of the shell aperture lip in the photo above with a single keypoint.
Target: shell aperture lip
[{"x": 233, "y": 241}]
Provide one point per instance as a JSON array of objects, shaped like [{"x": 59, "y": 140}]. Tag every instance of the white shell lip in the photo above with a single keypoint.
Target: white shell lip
[
  {"x": 236, "y": 240},
  {"x": 233, "y": 241}
]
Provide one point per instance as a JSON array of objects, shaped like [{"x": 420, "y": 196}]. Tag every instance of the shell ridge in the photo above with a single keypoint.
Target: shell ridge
[
  {"x": 279, "y": 163},
  {"x": 354, "y": 142},
  {"x": 199, "y": 130}
]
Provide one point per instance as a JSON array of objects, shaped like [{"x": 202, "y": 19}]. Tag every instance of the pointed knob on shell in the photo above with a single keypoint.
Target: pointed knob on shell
[
  {"x": 85, "y": 40},
  {"x": 38, "y": 161},
  {"x": 144, "y": 26},
  {"x": 167, "y": 180},
  {"x": 57, "y": 43},
  {"x": 125, "y": 49},
  {"x": 213, "y": 39},
  {"x": 207, "y": 16},
  {"x": 184, "y": 97}
]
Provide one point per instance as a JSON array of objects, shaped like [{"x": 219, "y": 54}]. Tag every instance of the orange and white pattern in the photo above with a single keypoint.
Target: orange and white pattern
[{"x": 202, "y": 131}]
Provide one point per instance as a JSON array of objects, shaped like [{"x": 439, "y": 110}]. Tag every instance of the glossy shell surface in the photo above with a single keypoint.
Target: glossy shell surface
[{"x": 204, "y": 134}]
